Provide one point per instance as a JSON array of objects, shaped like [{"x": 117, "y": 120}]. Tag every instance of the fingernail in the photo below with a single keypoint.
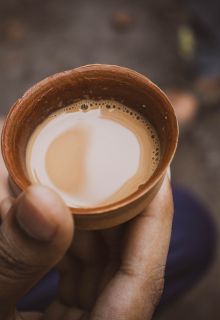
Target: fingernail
[{"x": 34, "y": 213}]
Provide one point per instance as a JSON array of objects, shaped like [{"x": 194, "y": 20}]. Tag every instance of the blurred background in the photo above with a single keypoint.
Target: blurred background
[{"x": 175, "y": 43}]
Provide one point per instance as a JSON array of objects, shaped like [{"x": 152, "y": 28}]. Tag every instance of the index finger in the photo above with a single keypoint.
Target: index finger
[
  {"x": 135, "y": 289},
  {"x": 149, "y": 233}
]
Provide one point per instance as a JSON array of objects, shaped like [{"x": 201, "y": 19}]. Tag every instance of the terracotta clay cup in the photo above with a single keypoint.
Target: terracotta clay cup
[{"x": 96, "y": 82}]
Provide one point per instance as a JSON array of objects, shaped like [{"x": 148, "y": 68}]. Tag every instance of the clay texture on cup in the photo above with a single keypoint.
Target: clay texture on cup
[{"x": 95, "y": 82}]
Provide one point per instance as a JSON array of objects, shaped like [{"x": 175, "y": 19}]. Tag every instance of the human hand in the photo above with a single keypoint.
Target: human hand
[{"x": 109, "y": 274}]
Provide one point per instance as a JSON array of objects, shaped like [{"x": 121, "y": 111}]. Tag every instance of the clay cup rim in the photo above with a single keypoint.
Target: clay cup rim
[{"x": 19, "y": 178}]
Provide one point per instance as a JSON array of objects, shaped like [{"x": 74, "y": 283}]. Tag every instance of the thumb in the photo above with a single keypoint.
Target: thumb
[{"x": 34, "y": 236}]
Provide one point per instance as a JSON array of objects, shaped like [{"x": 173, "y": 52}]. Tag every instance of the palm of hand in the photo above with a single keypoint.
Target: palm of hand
[{"x": 106, "y": 275}]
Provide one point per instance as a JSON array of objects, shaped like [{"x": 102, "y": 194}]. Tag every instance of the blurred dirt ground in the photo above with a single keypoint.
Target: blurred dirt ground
[{"x": 39, "y": 38}]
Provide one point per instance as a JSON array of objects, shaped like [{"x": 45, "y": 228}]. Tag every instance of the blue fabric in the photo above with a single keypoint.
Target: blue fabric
[
  {"x": 192, "y": 246},
  {"x": 191, "y": 251}
]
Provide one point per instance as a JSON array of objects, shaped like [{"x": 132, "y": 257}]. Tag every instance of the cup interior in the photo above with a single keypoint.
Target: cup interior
[{"x": 95, "y": 82}]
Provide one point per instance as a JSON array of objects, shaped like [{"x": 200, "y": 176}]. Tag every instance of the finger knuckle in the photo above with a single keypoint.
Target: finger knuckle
[
  {"x": 13, "y": 263},
  {"x": 152, "y": 280},
  {"x": 156, "y": 280}
]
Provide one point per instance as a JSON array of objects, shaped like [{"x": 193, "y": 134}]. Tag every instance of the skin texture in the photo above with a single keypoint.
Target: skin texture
[{"x": 109, "y": 274}]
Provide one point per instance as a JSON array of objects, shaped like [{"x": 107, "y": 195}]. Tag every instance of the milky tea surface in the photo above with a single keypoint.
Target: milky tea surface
[{"x": 93, "y": 152}]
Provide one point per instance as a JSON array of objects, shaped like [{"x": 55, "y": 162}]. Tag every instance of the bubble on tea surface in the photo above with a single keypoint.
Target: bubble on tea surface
[{"x": 84, "y": 107}]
